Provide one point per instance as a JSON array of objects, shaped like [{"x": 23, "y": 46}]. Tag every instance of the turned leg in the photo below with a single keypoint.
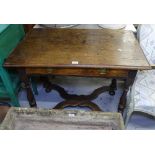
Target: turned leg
[
  {"x": 128, "y": 82},
  {"x": 47, "y": 83},
  {"x": 26, "y": 85},
  {"x": 113, "y": 87}
]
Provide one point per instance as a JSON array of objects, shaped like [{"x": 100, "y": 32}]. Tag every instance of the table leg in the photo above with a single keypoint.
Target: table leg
[
  {"x": 128, "y": 82},
  {"x": 26, "y": 85},
  {"x": 113, "y": 87}
]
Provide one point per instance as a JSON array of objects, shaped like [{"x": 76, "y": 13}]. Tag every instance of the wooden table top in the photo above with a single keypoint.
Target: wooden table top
[{"x": 83, "y": 48}]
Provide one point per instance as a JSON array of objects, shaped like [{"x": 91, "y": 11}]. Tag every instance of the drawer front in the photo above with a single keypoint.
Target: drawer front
[{"x": 79, "y": 72}]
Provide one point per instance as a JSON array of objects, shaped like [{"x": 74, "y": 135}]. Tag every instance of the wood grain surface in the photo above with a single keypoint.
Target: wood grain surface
[{"x": 81, "y": 48}]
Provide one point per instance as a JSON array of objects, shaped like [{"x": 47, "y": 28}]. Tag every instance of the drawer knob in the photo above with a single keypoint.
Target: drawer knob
[
  {"x": 103, "y": 71},
  {"x": 49, "y": 70}
]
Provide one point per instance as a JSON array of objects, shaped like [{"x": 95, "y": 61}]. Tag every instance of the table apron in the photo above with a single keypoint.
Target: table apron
[{"x": 90, "y": 72}]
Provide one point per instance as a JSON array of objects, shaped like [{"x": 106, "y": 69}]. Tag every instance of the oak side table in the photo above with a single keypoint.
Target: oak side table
[{"x": 105, "y": 53}]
